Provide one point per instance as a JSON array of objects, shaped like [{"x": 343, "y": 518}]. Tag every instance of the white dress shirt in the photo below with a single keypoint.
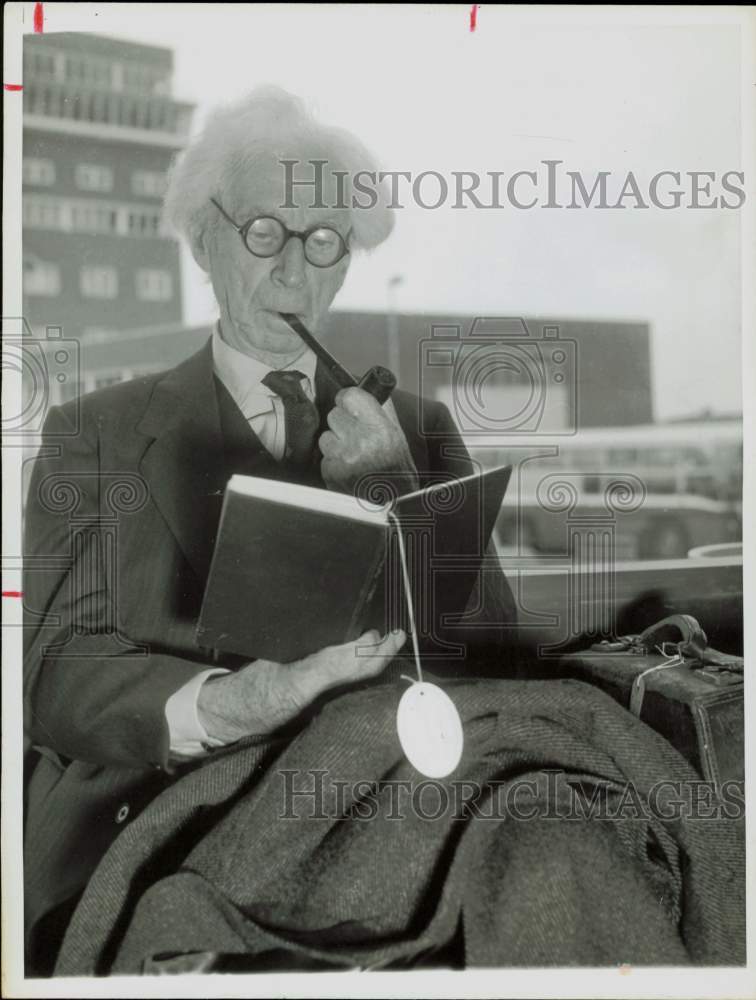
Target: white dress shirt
[{"x": 264, "y": 410}]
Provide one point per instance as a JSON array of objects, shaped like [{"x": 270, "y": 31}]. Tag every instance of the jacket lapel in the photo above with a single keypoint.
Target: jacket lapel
[
  {"x": 184, "y": 463},
  {"x": 325, "y": 394}
]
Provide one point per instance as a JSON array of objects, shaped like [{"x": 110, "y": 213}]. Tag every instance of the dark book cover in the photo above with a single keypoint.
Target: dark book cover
[
  {"x": 287, "y": 580},
  {"x": 446, "y": 529},
  {"x": 297, "y": 569}
]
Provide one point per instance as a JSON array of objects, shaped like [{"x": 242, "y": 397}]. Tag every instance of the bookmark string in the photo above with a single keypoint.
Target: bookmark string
[{"x": 408, "y": 595}]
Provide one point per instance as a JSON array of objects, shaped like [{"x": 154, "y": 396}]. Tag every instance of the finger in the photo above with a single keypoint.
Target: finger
[
  {"x": 370, "y": 638},
  {"x": 386, "y": 645},
  {"x": 328, "y": 444},
  {"x": 331, "y": 471},
  {"x": 360, "y": 405},
  {"x": 391, "y": 644},
  {"x": 340, "y": 422},
  {"x": 344, "y": 664},
  {"x": 374, "y": 651}
]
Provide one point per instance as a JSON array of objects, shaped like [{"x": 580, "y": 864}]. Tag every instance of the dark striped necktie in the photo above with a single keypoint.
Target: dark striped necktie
[{"x": 301, "y": 416}]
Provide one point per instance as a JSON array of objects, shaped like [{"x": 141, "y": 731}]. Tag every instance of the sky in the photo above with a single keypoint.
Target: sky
[{"x": 593, "y": 88}]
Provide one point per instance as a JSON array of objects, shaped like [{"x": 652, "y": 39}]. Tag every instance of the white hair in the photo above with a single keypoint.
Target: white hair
[{"x": 268, "y": 121}]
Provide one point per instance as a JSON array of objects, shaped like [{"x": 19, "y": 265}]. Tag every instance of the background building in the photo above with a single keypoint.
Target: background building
[
  {"x": 100, "y": 131},
  {"x": 603, "y": 368},
  {"x": 607, "y": 366}
]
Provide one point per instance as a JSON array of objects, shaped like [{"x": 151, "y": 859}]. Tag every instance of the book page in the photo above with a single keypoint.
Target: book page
[{"x": 326, "y": 501}]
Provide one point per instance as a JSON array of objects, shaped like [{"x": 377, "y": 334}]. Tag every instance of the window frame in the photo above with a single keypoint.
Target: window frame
[{"x": 88, "y": 272}]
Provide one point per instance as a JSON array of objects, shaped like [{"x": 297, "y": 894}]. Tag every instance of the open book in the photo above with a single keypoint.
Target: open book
[{"x": 297, "y": 568}]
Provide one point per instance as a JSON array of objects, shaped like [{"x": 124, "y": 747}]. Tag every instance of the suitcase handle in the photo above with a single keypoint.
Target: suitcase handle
[
  {"x": 693, "y": 641},
  {"x": 693, "y": 645}
]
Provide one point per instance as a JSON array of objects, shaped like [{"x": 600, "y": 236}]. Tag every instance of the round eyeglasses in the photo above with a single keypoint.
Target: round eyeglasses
[{"x": 266, "y": 236}]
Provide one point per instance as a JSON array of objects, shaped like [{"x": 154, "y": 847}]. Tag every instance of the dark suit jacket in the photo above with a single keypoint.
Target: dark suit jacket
[{"x": 121, "y": 518}]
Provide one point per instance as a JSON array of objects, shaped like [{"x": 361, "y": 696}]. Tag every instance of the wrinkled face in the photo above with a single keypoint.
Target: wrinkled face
[{"x": 251, "y": 290}]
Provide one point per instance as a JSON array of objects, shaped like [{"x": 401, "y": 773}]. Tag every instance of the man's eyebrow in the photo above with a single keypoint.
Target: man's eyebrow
[
  {"x": 255, "y": 212},
  {"x": 338, "y": 227},
  {"x": 333, "y": 223},
  {"x": 272, "y": 213}
]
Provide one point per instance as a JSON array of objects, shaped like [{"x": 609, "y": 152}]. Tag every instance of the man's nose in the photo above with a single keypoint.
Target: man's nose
[{"x": 290, "y": 268}]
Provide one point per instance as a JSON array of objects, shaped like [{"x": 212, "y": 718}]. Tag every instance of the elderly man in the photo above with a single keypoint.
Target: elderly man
[{"x": 119, "y": 699}]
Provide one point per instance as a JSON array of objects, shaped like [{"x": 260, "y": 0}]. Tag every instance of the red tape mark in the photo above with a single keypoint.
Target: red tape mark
[
  {"x": 13, "y": 86},
  {"x": 13, "y": 593},
  {"x": 39, "y": 18},
  {"x": 474, "y": 16}
]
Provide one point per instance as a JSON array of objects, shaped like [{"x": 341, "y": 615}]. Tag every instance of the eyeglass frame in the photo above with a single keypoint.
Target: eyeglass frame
[{"x": 303, "y": 235}]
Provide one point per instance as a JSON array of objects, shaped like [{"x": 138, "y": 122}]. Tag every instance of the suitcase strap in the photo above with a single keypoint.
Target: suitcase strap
[
  {"x": 693, "y": 645},
  {"x": 691, "y": 650},
  {"x": 638, "y": 690}
]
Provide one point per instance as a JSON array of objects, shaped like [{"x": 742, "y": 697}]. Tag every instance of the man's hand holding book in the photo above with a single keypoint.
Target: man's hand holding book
[{"x": 263, "y": 696}]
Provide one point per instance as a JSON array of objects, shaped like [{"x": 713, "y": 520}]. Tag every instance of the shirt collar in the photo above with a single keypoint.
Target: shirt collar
[{"x": 242, "y": 375}]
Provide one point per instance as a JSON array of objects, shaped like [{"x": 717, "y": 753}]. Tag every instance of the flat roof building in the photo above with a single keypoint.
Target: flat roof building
[
  {"x": 558, "y": 374},
  {"x": 100, "y": 131}
]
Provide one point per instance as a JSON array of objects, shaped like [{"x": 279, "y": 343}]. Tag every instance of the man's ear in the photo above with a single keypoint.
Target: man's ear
[
  {"x": 200, "y": 251},
  {"x": 343, "y": 274}
]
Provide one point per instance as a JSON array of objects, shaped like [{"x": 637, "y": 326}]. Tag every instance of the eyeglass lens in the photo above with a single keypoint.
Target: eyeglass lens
[{"x": 266, "y": 236}]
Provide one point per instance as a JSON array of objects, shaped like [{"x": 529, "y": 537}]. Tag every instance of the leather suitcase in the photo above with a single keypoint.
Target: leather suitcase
[{"x": 672, "y": 680}]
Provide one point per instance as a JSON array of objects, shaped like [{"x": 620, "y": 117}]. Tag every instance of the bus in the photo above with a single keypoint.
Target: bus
[{"x": 697, "y": 458}]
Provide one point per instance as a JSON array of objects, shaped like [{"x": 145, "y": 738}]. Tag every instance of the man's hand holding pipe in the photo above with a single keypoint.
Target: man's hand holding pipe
[{"x": 363, "y": 439}]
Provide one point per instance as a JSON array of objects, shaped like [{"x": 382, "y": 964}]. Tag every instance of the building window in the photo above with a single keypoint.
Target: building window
[
  {"x": 117, "y": 76},
  {"x": 41, "y": 278},
  {"x": 154, "y": 286},
  {"x": 150, "y": 183},
  {"x": 144, "y": 222},
  {"x": 96, "y": 72},
  {"x": 93, "y": 177},
  {"x": 90, "y": 215},
  {"x": 41, "y": 63},
  {"x": 42, "y": 213},
  {"x": 140, "y": 79},
  {"x": 87, "y": 70},
  {"x": 93, "y": 218},
  {"x": 98, "y": 282},
  {"x": 40, "y": 172}
]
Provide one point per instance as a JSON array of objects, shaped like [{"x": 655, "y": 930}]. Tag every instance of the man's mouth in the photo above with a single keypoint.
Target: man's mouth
[{"x": 276, "y": 314}]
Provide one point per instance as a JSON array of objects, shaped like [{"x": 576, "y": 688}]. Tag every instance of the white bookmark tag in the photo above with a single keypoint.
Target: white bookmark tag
[
  {"x": 427, "y": 721},
  {"x": 430, "y": 730}
]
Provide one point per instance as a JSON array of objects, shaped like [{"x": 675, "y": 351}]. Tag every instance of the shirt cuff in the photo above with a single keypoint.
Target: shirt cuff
[{"x": 187, "y": 734}]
